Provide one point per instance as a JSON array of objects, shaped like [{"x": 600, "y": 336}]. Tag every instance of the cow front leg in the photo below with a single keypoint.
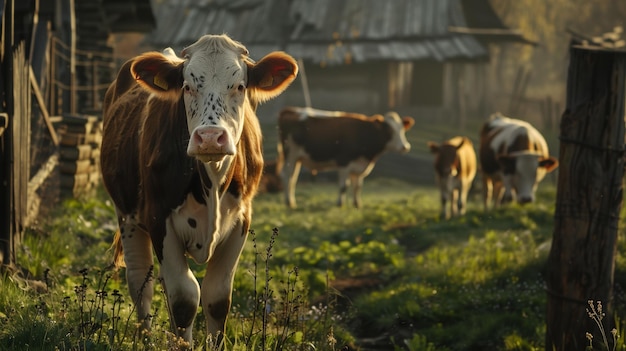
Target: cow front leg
[
  {"x": 444, "y": 197},
  {"x": 498, "y": 194},
  {"x": 180, "y": 285},
  {"x": 217, "y": 284},
  {"x": 289, "y": 177},
  {"x": 139, "y": 262},
  {"x": 454, "y": 205},
  {"x": 357, "y": 185},
  {"x": 464, "y": 192},
  {"x": 344, "y": 183},
  {"x": 445, "y": 211},
  {"x": 487, "y": 191}
]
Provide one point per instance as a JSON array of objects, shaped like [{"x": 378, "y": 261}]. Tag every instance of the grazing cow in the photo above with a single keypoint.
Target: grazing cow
[
  {"x": 455, "y": 169},
  {"x": 514, "y": 158},
  {"x": 181, "y": 159},
  {"x": 349, "y": 142}
]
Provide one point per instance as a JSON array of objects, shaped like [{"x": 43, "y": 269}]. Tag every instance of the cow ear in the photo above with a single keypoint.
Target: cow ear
[
  {"x": 158, "y": 74},
  {"x": 271, "y": 76},
  {"x": 408, "y": 122},
  {"x": 434, "y": 147},
  {"x": 550, "y": 164}
]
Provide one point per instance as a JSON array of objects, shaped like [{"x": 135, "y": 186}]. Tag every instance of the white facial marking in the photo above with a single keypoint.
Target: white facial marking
[
  {"x": 398, "y": 142},
  {"x": 214, "y": 95}
]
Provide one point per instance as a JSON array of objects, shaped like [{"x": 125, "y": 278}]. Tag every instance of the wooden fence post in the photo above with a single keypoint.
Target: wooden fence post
[{"x": 581, "y": 263}]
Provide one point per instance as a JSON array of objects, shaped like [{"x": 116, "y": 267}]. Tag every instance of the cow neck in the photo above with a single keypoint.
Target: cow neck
[{"x": 216, "y": 173}]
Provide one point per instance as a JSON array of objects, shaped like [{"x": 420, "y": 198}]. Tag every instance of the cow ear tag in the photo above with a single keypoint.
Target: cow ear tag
[{"x": 160, "y": 82}]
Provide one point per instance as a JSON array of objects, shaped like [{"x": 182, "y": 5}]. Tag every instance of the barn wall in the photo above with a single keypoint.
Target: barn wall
[
  {"x": 427, "y": 86},
  {"x": 354, "y": 87},
  {"x": 458, "y": 93}
]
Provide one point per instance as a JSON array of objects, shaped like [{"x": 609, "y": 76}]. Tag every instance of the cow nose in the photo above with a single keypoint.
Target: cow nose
[
  {"x": 209, "y": 140},
  {"x": 524, "y": 200},
  {"x": 209, "y": 137}
]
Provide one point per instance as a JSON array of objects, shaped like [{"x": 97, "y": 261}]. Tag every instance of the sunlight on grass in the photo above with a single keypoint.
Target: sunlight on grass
[{"x": 335, "y": 276}]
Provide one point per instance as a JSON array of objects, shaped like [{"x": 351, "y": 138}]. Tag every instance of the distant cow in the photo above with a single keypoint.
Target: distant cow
[
  {"x": 270, "y": 180},
  {"x": 181, "y": 159},
  {"x": 349, "y": 142},
  {"x": 514, "y": 158},
  {"x": 455, "y": 169}
]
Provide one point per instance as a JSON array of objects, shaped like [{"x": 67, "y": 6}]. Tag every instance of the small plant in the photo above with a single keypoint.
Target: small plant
[
  {"x": 417, "y": 343},
  {"x": 596, "y": 313},
  {"x": 279, "y": 318}
]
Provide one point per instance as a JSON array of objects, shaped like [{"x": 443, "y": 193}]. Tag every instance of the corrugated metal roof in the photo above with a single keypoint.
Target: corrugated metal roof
[
  {"x": 125, "y": 15},
  {"x": 324, "y": 31}
]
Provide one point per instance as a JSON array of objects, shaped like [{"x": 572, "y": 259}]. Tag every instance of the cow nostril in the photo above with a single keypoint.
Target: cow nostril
[
  {"x": 221, "y": 139},
  {"x": 197, "y": 138}
]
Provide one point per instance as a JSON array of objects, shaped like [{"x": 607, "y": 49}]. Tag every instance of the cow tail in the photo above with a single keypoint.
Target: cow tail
[{"x": 118, "y": 251}]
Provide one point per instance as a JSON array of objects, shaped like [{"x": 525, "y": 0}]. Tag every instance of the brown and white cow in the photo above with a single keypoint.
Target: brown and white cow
[
  {"x": 455, "y": 169},
  {"x": 514, "y": 158},
  {"x": 181, "y": 159},
  {"x": 326, "y": 140}
]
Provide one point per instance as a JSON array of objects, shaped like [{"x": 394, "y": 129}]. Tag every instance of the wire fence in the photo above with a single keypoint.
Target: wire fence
[{"x": 78, "y": 78}]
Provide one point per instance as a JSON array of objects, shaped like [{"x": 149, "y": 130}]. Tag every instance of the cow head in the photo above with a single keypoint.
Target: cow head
[
  {"x": 398, "y": 128},
  {"x": 446, "y": 164},
  {"x": 218, "y": 82},
  {"x": 522, "y": 172}
]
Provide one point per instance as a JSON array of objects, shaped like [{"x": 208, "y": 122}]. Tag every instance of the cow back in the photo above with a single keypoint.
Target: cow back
[
  {"x": 342, "y": 139},
  {"x": 467, "y": 159}
]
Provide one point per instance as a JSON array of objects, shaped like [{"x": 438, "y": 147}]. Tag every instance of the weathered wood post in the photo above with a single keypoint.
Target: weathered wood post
[{"x": 581, "y": 263}]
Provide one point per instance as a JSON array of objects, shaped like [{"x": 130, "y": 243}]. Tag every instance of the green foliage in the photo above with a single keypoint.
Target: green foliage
[
  {"x": 419, "y": 343},
  {"x": 318, "y": 277},
  {"x": 83, "y": 226}
]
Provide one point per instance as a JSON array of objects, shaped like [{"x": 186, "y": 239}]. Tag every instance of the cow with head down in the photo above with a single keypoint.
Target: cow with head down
[
  {"x": 514, "y": 158},
  {"x": 181, "y": 159},
  {"x": 455, "y": 169}
]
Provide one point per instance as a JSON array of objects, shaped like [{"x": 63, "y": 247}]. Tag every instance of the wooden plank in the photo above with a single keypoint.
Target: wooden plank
[
  {"x": 79, "y": 152},
  {"x": 35, "y": 182},
  {"x": 75, "y": 139},
  {"x": 42, "y": 106},
  {"x": 4, "y": 122},
  {"x": 74, "y": 181},
  {"x": 78, "y": 119},
  {"x": 75, "y": 166}
]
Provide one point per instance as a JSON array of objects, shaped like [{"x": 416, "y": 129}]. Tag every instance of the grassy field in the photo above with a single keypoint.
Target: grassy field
[{"x": 390, "y": 276}]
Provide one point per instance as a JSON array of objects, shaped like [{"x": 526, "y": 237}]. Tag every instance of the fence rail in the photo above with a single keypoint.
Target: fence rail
[{"x": 90, "y": 73}]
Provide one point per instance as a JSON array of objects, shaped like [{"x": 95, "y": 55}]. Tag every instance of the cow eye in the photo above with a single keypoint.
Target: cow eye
[
  {"x": 187, "y": 88},
  {"x": 241, "y": 88}
]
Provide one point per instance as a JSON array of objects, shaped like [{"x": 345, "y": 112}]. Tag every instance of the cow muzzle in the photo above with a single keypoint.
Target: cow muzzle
[{"x": 210, "y": 143}]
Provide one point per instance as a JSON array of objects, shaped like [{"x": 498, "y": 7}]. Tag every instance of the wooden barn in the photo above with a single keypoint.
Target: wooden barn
[
  {"x": 424, "y": 56},
  {"x": 55, "y": 65}
]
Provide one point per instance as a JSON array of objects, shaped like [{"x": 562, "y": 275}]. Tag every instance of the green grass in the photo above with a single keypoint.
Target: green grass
[{"x": 391, "y": 275}]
